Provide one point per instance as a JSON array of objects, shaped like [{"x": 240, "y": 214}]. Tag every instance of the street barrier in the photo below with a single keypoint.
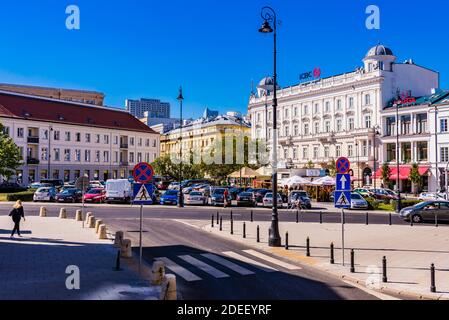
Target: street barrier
[
  {"x": 79, "y": 215},
  {"x": 157, "y": 273},
  {"x": 102, "y": 234},
  {"x": 118, "y": 239},
  {"x": 169, "y": 288},
  {"x": 125, "y": 249},
  {"x": 97, "y": 225},
  {"x": 352, "y": 261},
  {"x": 63, "y": 213},
  {"x": 332, "y": 260},
  {"x": 384, "y": 270},
  {"x": 433, "y": 287},
  {"x": 308, "y": 247},
  {"x": 43, "y": 212}
]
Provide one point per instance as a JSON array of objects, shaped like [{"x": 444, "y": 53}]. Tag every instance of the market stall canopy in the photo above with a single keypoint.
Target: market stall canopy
[
  {"x": 245, "y": 173},
  {"x": 295, "y": 180},
  {"x": 324, "y": 181}
]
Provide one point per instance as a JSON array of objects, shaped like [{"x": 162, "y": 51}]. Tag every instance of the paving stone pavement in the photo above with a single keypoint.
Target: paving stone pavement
[{"x": 34, "y": 267}]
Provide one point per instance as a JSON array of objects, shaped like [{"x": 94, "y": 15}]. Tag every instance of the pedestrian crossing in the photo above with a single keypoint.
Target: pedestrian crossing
[{"x": 247, "y": 262}]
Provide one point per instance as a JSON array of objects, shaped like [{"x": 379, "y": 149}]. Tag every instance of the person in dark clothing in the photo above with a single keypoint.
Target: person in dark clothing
[{"x": 17, "y": 214}]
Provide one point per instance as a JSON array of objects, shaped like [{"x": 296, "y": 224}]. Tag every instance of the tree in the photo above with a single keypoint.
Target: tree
[
  {"x": 415, "y": 178},
  {"x": 10, "y": 157},
  {"x": 310, "y": 165},
  {"x": 332, "y": 167},
  {"x": 385, "y": 173},
  {"x": 164, "y": 166}
]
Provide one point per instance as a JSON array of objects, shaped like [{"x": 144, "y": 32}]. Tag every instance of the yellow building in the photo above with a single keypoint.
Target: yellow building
[{"x": 203, "y": 133}]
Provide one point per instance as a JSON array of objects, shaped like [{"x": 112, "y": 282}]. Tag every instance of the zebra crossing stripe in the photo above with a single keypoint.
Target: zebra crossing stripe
[
  {"x": 228, "y": 264},
  {"x": 204, "y": 266},
  {"x": 180, "y": 271},
  {"x": 252, "y": 262},
  {"x": 262, "y": 256}
]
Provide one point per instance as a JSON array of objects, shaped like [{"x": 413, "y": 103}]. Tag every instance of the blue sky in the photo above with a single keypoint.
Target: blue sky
[{"x": 136, "y": 48}]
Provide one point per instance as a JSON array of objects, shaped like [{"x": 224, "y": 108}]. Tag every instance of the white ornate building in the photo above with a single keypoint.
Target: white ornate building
[{"x": 324, "y": 119}]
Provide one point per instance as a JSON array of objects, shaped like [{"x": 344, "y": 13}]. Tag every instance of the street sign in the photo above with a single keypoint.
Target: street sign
[
  {"x": 343, "y": 199},
  {"x": 343, "y": 182},
  {"x": 143, "y": 173},
  {"x": 82, "y": 183},
  {"x": 343, "y": 165},
  {"x": 143, "y": 194}
]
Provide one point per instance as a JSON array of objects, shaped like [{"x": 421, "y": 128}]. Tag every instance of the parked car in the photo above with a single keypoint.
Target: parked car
[
  {"x": 189, "y": 183},
  {"x": 118, "y": 190},
  {"x": 234, "y": 191},
  {"x": 97, "y": 195},
  {"x": 217, "y": 196},
  {"x": 173, "y": 186},
  {"x": 268, "y": 200},
  {"x": 260, "y": 194},
  {"x": 97, "y": 184},
  {"x": 69, "y": 195},
  {"x": 358, "y": 201},
  {"x": 45, "y": 194},
  {"x": 426, "y": 211},
  {"x": 246, "y": 199},
  {"x": 10, "y": 187},
  {"x": 364, "y": 192},
  {"x": 169, "y": 197},
  {"x": 196, "y": 197},
  {"x": 300, "y": 195},
  {"x": 426, "y": 196},
  {"x": 54, "y": 182}
]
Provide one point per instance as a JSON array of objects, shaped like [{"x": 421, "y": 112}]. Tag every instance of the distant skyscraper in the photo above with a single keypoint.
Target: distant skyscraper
[{"x": 155, "y": 108}]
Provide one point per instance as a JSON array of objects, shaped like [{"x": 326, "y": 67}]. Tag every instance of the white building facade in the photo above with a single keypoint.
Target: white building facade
[
  {"x": 63, "y": 140},
  {"x": 324, "y": 119}
]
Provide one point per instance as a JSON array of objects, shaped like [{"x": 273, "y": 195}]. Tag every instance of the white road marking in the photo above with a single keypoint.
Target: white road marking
[
  {"x": 282, "y": 264},
  {"x": 180, "y": 271},
  {"x": 228, "y": 264},
  {"x": 204, "y": 266},
  {"x": 381, "y": 296},
  {"x": 255, "y": 263}
]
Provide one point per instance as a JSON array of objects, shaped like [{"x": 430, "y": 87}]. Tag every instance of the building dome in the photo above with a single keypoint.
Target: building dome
[
  {"x": 379, "y": 50},
  {"x": 267, "y": 81}
]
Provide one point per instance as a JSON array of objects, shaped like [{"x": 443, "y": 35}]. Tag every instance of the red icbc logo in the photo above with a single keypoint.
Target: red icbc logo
[{"x": 316, "y": 73}]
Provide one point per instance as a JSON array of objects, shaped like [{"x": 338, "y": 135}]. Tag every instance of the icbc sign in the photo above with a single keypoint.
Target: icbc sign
[{"x": 315, "y": 74}]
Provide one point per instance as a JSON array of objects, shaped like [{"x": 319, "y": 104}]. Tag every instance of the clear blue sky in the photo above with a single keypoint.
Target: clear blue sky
[{"x": 137, "y": 48}]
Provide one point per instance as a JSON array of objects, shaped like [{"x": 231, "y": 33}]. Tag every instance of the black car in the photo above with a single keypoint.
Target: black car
[
  {"x": 10, "y": 187},
  {"x": 54, "y": 182},
  {"x": 246, "y": 199},
  {"x": 260, "y": 194},
  {"x": 69, "y": 195},
  {"x": 235, "y": 191},
  {"x": 217, "y": 196}
]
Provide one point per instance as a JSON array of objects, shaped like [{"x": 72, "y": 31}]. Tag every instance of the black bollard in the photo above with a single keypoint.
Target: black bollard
[
  {"x": 390, "y": 219},
  {"x": 433, "y": 288},
  {"x": 352, "y": 261},
  {"x": 297, "y": 216},
  {"x": 411, "y": 220},
  {"x": 321, "y": 217},
  {"x": 436, "y": 220},
  {"x": 218, "y": 217},
  {"x": 252, "y": 218},
  {"x": 221, "y": 223},
  {"x": 332, "y": 253},
  {"x": 286, "y": 240},
  {"x": 231, "y": 215},
  {"x": 384, "y": 270},
  {"x": 308, "y": 247},
  {"x": 244, "y": 230},
  {"x": 258, "y": 234},
  {"x": 212, "y": 221},
  {"x": 366, "y": 218},
  {"x": 232, "y": 226},
  {"x": 117, "y": 261}
]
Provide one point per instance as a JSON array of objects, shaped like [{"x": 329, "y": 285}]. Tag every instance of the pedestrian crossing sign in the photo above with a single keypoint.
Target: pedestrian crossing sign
[
  {"x": 342, "y": 199},
  {"x": 143, "y": 194}
]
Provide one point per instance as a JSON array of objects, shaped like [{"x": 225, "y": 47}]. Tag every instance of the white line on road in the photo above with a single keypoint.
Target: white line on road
[
  {"x": 227, "y": 264},
  {"x": 180, "y": 271},
  {"x": 272, "y": 260},
  {"x": 381, "y": 296},
  {"x": 204, "y": 266},
  {"x": 252, "y": 262}
]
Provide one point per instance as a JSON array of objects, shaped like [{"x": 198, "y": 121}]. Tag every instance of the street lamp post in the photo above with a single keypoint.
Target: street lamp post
[
  {"x": 180, "y": 195},
  {"x": 269, "y": 15},
  {"x": 50, "y": 130},
  {"x": 398, "y": 207},
  {"x": 376, "y": 132},
  {"x": 358, "y": 163}
]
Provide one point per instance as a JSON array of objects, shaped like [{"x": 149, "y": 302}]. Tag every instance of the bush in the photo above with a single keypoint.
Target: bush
[
  {"x": 373, "y": 204},
  {"x": 23, "y": 196},
  {"x": 407, "y": 203}
]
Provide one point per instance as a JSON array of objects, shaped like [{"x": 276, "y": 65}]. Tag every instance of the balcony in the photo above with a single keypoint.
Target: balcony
[
  {"x": 123, "y": 145},
  {"x": 33, "y": 161},
  {"x": 33, "y": 140}
]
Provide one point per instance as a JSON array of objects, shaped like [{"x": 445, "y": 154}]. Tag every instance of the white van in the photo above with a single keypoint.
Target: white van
[{"x": 118, "y": 190}]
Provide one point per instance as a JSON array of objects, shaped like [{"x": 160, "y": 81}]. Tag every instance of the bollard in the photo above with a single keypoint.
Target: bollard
[
  {"x": 366, "y": 218},
  {"x": 125, "y": 250},
  {"x": 63, "y": 213},
  {"x": 221, "y": 223},
  {"x": 231, "y": 215},
  {"x": 232, "y": 226},
  {"x": 308, "y": 247},
  {"x": 384, "y": 270},
  {"x": 89, "y": 214},
  {"x": 79, "y": 215},
  {"x": 118, "y": 239},
  {"x": 157, "y": 273},
  {"x": 212, "y": 221},
  {"x": 390, "y": 219},
  {"x": 102, "y": 234},
  {"x": 411, "y": 220},
  {"x": 97, "y": 225},
  {"x": 286, "y": 240},
  {"x": 91, "y": 222},
  {"x": 42, "y": 212},
  {"x": 258, "y": 234},
  {"x": 297, "y": 216},
  {"x": 433, "y": 288},
  {"x": 332, "y": 253},
  {"x": 117, "y": 261},
  {"x": 244, "y": 230},
  {"x": 252, "y": 218},
  {"x": 218, "y": 217},
  {"x": 436, "y": 220},
  {"x": 352, "y": 261},
  {"x": 169, "y": 288},
  {"x": 321, "y": 217}
]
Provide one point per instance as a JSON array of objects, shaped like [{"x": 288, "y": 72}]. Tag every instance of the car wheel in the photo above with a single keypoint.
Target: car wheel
[{"x": 417, "y": 218}]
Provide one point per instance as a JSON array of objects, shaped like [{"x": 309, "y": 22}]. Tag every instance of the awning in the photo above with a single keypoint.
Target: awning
[{"x": 404, "y": 172}]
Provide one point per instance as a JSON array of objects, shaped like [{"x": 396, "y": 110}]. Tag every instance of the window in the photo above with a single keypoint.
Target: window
[
  {"x": 67, "y": 136},
  {"x": 295, "y": 111},
  {"x": 57, "y": 154},
  {"x": 443, "y": 125},
  {"x": 139, "y": 157},
  {"x": 351, "y": 102},
  {"x": 116, "y": 156},
  {"x": 391, "y": 152},
  {"x": 66, "y": 154},
  {"x": 339, "y": 125},
  {"x": 406, "y": 150},
  {"x": 154, "y": 143},
  {"x": 338, "y": 104},
  {"x": 316, "y": 128},
  {"x": 406, "y": 125},
  {"x": 364, "y": 149},
  {"x": 78, "y": 137},
  {"x": 44, "y": 154},
  {"x": 20, "y": 132},
  {"x": 78, "y": 155},
  {"x": 131, "y": 141},
  {"x": 421, "y": 123},
  {"x": 139, "y": 142},
  {"x": 87, "y": 155},
  {"x": 326, "y": 152},
  {"x": 444, "y": 154},
  {"x": 350, "y": 150},
  {"x": 106, "y": 139},
  {"x": 367, "y": 99},
  {"x": 147, "y": 142},
  {"x": 368, "y": 121},
  {"x": 338, "y": 151},
  {"x": 285, "y": 153},
  {"x": 269, "y": 133},
  {"x": 316, "y": 108},
  {"x": 131, "y": 157},
  {"x": 258, "y": 117},
  {"x": 97, "y": 138},
  {"x": 56, "y": 135},
  {"x": 422, "y": 151},
  {"x": 286, "y": 131},
  {"x": 286, "y": 113},
  {"x": 115, "y": 139},
  {"x": 97, "y": 156},
  {"x": 295, "y": 153},
  {"x": 106, "y": 156},
  {"x": 88, "y": 137},
  {"x": 306, "y": 128},
  {"x": 315, "y": 152},
  {"x": 327, "y": 126},
  {"x": 305, "y": 152},
  {"x": 327, "y": 107},
  {"x": 351, "y": 124},
  {"x": 147, "y": 157},
  {"x": 306, "y": 109},
  {"x": 270, "y": 116},
  {"x": 45, "y": 134},
  {"x": 295, "y": 130}
]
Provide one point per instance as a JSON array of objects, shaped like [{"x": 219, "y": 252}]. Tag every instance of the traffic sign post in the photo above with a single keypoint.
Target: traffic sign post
[
  {"x": 82, "y": 183},
  {"x": 342, "y": 195},
  {"x": 342, "y": 165}
]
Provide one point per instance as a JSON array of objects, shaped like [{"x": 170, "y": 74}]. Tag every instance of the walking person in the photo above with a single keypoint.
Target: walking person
[
  {"x": 17, "y": 214},
  {"x": 225, "y": 197}
]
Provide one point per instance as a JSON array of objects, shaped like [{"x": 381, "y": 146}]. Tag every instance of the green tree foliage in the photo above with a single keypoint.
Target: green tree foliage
[
  {"x": 332, "y": 167},
  {"x": 414, "y": 176},
  {"x": 10, "y": 158},
  {"x": 164, "y": 166},
  {"x": 386, "y": 173}
]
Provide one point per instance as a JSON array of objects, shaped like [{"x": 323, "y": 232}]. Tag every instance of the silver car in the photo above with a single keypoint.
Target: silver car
[
  {"x": 45, "y": 194},
  {"x": 427, "y": 211},
  {"x": 358, "y": 202},
  {"x": 196, "y": 197}
]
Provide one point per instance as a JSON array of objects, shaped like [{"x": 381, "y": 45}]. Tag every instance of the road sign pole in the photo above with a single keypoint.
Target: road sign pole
[
  {"x": 140, "y": 240},
  {"x": 343, "y": 236}
]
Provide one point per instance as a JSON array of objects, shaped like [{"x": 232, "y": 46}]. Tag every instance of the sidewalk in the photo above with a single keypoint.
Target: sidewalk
[
  {"x": 33, "y": 267},
  {"x": 409, "y": 252}
]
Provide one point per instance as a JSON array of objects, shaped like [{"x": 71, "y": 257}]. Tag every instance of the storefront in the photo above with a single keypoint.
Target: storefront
[{"x": 405, "y": 185}]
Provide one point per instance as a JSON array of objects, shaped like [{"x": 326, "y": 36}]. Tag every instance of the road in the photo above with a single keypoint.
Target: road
[{"x": 209, "y": 267}]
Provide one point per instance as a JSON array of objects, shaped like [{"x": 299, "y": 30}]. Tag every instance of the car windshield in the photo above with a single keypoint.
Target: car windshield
[
  {"x": 246, "y": 194},
  {"x": 269, "y": 195},
  {"x": 171, "y": 193},
  {"x": 43, "y": 190},
  {"x": 356, "y": 196},
  {"x": 219, "y": 191},
  {"x": 196, "y": 194},
  {"x": 94, "y": 191},
  {"x": 68, "y": 191}
]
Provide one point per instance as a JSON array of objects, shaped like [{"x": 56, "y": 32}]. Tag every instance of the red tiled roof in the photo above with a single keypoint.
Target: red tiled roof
[{"x": 42, "y": 109}]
